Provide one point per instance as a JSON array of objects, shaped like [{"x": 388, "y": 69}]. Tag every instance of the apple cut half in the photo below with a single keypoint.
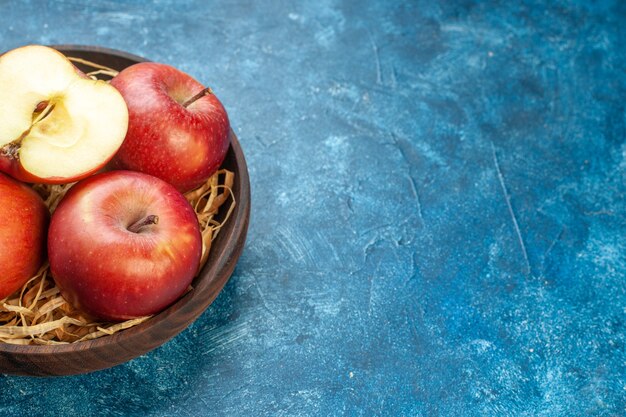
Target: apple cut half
[{"x": 56, "y": 124}]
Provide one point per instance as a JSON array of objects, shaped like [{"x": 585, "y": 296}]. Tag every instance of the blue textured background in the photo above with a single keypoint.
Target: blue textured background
[{"x": 438, "y": 223}]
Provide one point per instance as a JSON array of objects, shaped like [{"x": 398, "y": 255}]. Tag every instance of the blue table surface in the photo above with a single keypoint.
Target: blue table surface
[{"x": 439, "y": 212}]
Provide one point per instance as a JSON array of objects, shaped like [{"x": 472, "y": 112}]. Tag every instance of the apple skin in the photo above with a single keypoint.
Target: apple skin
[
  {"x": 181, "y": 145},
  {"x": 23, "y": 226},
  {"x": 12, "y": 167},
  {"x": 110, "y": 272}
]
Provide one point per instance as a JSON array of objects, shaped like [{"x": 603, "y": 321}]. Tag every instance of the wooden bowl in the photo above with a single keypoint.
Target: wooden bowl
[{"x": 108, "y": 351}]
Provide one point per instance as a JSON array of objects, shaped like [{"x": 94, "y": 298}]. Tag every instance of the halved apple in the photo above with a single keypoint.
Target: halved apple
[{"x": 56, "y": 124}]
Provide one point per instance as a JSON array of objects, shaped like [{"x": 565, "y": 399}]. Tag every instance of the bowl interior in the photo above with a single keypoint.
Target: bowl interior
[{"x": 88, "y": 356}]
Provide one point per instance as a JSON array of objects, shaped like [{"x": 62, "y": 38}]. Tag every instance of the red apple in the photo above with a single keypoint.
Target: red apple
[
  {"x": 177, "y": 130},
  {"x": 23, "y": 226},
  {"x": 56, "y": 124},
  {"x": 123, "y": 245}
]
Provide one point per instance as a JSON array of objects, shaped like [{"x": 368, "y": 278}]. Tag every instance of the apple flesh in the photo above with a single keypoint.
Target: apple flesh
[
  {"x": 23, "y": 225},
  {"x": 178, "y": 130},
  {"x": 56, "y": 124},
  {"x": 123, "y": 244}
]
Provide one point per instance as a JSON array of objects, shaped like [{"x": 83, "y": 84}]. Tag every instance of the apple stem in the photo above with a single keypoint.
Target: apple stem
[
  {"x": 201, "y": 94},
  {"x": 146, "y": 221},
  {"x": 11, "y": 150}
]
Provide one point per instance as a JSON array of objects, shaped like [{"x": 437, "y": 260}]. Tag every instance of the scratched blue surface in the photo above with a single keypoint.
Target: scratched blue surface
[{"x": 439, "y": 209}]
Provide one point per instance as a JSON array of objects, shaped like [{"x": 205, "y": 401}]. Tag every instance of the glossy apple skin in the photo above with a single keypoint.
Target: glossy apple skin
[
  {"x": 23, "y": 226},
  {"x": 181, "y": 145},
  {"x": 110, "y": 272},
  {"x": 13, "y": 167}
]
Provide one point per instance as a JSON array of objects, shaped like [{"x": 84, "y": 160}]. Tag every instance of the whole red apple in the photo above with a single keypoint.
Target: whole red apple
[
  {"x": 23, "y": 226},
  {"x": 123, "y": 245},
  {"x": 177, "y": 130}
]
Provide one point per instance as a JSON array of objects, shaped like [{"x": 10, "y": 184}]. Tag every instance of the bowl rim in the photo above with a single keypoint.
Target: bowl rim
[
  {"x": 223, "y": 260},
  {"x": 100, "y": 49}
]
